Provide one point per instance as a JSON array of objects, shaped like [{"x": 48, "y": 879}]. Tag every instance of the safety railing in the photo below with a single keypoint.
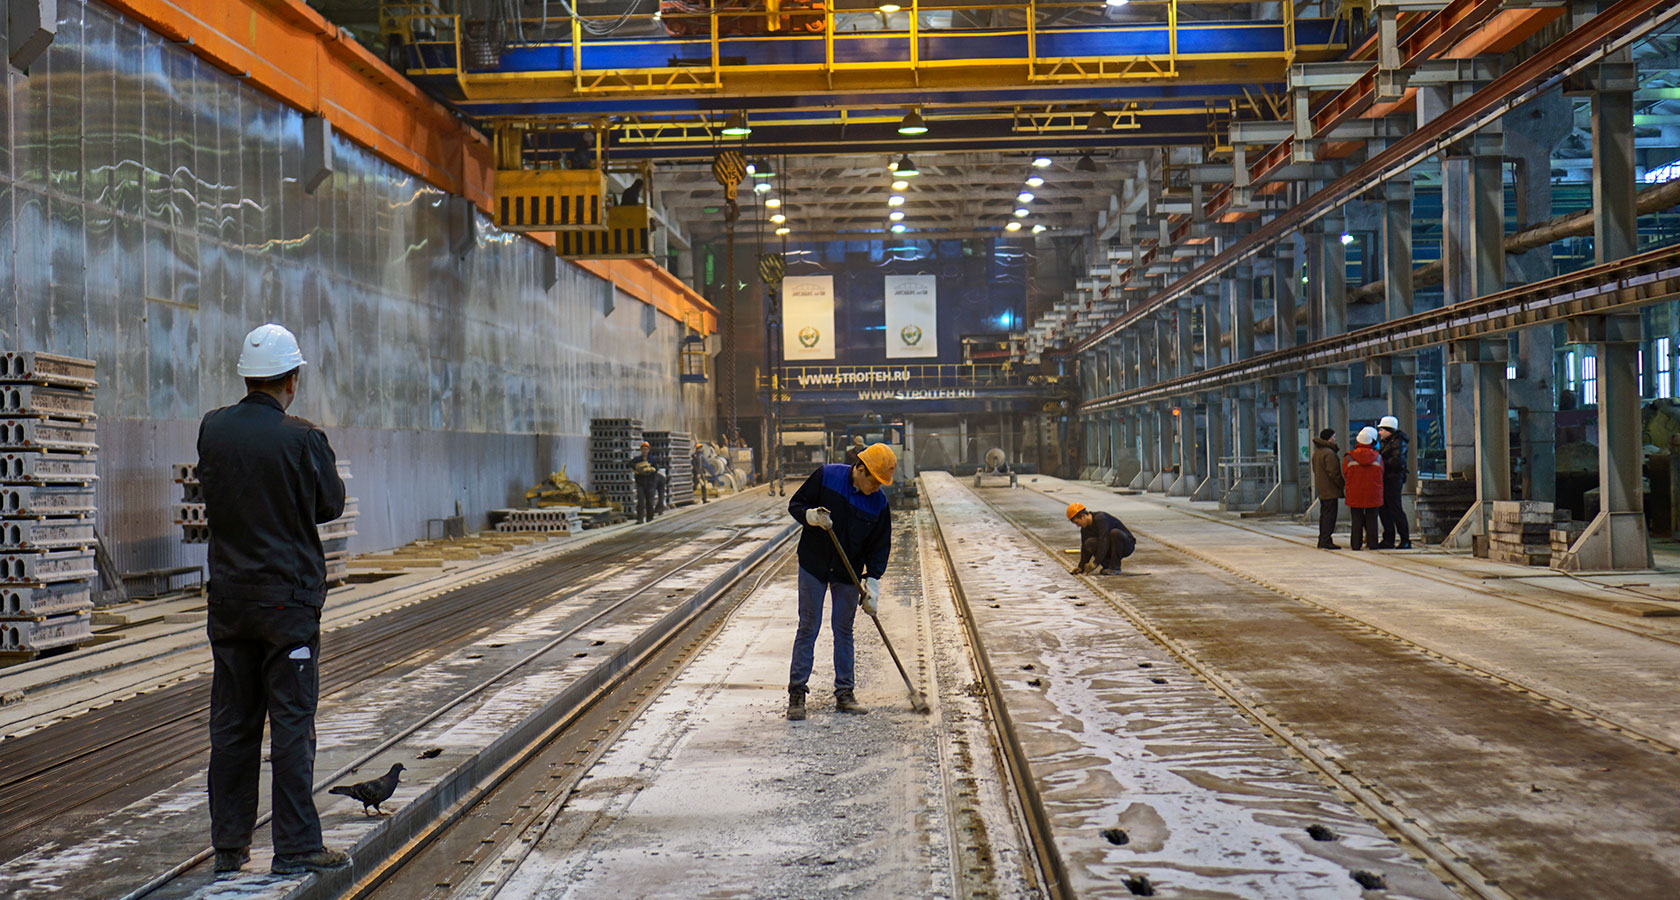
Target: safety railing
[{"x": 1250, "y": 473}]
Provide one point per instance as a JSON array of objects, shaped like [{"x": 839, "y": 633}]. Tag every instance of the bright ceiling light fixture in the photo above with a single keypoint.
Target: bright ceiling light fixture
[
  {"x": 1039, "y": 162},
  {"x": 763, "y": 187},
  {"x": 890, "y": 8},
  {"x": 1085, "y": 164},
  {"x": 1024, "y": 197},
  {"x": 900, "y": 184},
  {"x": 1116, "y": 4},
  {"x": 1099, "y": 121},
  {"x": 761, "y": 169},
  {"x": 912, "y": 124},
  {"x": 736, "y": 125},
  {"x": 1039, "y": 229},
  {"x": 1020, "y": 212},
  {"x": 1346, "y": 239},
  {"x": 778, "y": 218},
  {"x": 896, "y": 215},
  {"x": 784, "y": 230},
  {"x": 904, "y": 168},
  {"x": 895, "y": 200},
  {"x": 1035, "y": 180},
  {"x": 1012, "y": 226},
  {"x": 897, "y": 228},
  {"x": 773, "y": 202}
]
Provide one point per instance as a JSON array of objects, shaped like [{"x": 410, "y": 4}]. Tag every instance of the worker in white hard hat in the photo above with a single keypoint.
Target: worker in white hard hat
[
  {"x": 1396, "y": 530},
  {"x": 268, "y": 479},
  {"x": 847, "y": 501}
]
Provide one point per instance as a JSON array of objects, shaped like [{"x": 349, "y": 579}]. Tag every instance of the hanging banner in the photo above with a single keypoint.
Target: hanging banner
[
  {"x": 807, "y": 317},
  {"x": 912, "y": 328}
]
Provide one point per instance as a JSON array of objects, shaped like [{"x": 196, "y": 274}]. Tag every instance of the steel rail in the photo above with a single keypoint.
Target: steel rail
[
  {"x": 1373, "y": 801},
  {"x": 444, "y": 708},
  {"x": 1614, "y": 286},
  {"x": 1609, "y": 31},
  {"x": 1051, "y": 869}
]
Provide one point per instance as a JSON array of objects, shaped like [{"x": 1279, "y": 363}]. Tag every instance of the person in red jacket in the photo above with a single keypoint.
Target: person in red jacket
[{"x": 1362, "y": 469}]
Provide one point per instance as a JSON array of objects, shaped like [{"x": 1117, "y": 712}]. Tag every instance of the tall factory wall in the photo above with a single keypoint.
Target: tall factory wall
[{"x": 151, "y": 213}]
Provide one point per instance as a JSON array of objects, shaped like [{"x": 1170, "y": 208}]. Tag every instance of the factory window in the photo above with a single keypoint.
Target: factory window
[
  {"x": 1664, "y": 349},
  {"x": 1589, "y": 380}
]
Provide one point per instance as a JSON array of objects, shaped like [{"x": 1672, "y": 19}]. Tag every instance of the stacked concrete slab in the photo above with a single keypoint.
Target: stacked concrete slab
[
  {"x": 335, "y": 535},
  {"x": 1519, "y": 531},
  {"x": 1564, "y": 534},
  {"x": 48, "y": 457},
  {"x": 673, "y": 451},
  {"x": 1441, "y": 502},
  {"x": 611, "y": 441}
]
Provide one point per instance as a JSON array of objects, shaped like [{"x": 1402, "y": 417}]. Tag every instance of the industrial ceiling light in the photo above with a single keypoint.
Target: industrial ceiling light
[
  {"x": 895, "y": 200},
  {"x": 761, "y": 169},
  {"x": 900, "y": 184},
  {"x": 904, "y": 168},
  {"x": 1034, "y": 180},
  {"x": 1099, "y": 121},
  {"x": 896, "y": 215},
  {"x": 736, "y": 125},
  {"x": 778, "y": 218},
  {"x": 1346, "y": 239},
  {"x": 1116, "y": 4},
  {"x": 752, "y": 168},
  {"x": 1024, "y": 197},
  {"x": 1085, "y": 164},
  {"x": 784, "y": 230},
  {"x": 890, "y": 8},
  {"x": 912, "y": 124},
  {"x": 763, "y": 187},
  {"x": 1012, "y": 226},
  {"x": 1020, "y": 212},
  {"x": 1039, "y": 162},
  {"x": 773, "y": 203},
  {"x": 1039, "y": 229},
  {"x": 897, "y": 228}
]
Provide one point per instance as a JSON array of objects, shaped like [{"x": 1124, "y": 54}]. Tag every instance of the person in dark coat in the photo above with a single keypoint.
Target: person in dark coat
[
  {"x": 647, "y": 483},
  {"x": 1328, "y": 485},
  {"x": 1103, "y": 540},
  {"x": 269, "y": 479},
  {"x": 1362, "y": 469},
  {"x": 1396, "y": 530},
  {"x": 845, "y": 503}
]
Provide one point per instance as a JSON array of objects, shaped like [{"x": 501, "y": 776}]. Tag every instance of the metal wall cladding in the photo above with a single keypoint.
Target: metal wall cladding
[{"x": 151, "y": 213}]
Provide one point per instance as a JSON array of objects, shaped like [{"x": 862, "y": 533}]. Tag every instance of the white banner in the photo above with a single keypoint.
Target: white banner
[
  {"x": 808, "y": 317},
  {"x": 912, "y": 325}
]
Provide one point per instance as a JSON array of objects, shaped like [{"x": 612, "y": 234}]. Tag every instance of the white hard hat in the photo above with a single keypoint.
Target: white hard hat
[
  {"x": 1367, "y": 435},
  {"x": 269, "y": 350},
  {"x": 1389, "y": 422}
]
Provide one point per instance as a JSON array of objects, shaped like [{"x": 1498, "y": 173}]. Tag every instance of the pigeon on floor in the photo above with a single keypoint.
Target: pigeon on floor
[{"x": 372, "y": 793}]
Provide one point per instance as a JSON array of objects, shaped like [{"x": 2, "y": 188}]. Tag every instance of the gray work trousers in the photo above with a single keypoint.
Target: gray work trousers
[{"x": 264, "y": 667}]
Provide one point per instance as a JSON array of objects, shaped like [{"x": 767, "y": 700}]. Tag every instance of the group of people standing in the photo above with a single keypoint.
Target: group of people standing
[{"x": 1371, "y": 479}]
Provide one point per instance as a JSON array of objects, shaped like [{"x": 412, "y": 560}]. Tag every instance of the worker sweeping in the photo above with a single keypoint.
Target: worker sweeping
[{"x": 848, "y": 532}]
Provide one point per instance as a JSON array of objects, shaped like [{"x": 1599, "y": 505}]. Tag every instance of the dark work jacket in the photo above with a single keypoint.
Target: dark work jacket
[
  {"x": 862, "y": 522},
  {"x": 1101, "y": 524},
  {"x": 1394, "y": 457},
  {"x": 268, "y": 479}
]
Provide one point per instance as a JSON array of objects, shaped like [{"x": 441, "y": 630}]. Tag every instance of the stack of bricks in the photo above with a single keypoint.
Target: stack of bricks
[
  {"x": 1565, "y": 532},
  {"x": 48, "y": 451},
  {"x": 1519, "y": 531},
  {"x": 611, "y": 441},
  {"x": 335, "y": 535}
]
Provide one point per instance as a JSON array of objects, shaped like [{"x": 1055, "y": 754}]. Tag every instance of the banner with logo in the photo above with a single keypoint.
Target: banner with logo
[
  {"x": 807, "y": 317},
  {"x": 912, "y": 328}
]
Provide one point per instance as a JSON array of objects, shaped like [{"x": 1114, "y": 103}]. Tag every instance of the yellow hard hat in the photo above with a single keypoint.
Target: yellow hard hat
[
  {"x": 880, "y": 461},
  {"x": 1075, "y": 509}
]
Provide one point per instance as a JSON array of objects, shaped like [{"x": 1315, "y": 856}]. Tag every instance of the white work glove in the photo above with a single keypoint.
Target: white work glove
[
  {"x": 871, "y": 595},
  {"x": 817, "y": 517}
]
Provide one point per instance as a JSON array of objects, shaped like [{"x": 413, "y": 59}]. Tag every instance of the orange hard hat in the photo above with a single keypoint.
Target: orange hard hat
[
  {"x": 1075, "y": 509},
  {"x": 880, "y": 461}
]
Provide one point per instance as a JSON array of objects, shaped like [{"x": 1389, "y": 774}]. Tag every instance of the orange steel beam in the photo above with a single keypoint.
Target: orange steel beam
[{"x": 292, "y": 53}]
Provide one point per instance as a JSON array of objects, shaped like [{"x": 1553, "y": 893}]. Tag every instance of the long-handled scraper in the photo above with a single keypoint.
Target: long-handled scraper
[{"x": 917, "y": 701}]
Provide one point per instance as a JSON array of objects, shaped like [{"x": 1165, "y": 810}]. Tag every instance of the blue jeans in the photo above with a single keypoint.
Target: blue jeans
[{"x": 811, "y": 591}]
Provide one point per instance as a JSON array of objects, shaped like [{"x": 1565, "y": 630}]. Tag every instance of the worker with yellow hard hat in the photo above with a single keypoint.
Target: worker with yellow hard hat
[
  {"x": 847, "y": 501},
  {"x": 1103, "y": 540}
]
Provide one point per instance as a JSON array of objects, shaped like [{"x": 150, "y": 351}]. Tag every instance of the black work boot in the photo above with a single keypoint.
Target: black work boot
[
  {"x": 846, "y": 703},
  {"x": 796, "y": 704},
  {"x": 232, "y": 860}
]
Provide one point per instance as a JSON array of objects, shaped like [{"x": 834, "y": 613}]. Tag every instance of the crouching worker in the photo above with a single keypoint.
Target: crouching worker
[
  {"x": 1103, "y": 540},
  {"x": 839, "y": 503}
]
